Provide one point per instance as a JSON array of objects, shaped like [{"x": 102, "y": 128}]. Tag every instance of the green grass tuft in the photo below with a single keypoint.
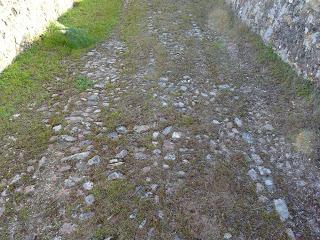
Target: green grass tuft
[
  {"x": 72, "y": 38},
  {"x": 83, "y": 83}
]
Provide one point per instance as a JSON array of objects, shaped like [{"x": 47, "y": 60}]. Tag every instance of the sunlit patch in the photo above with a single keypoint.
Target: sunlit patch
[
  {"x": 218, "y": 19},
  {"x": 304, "y": 141}
]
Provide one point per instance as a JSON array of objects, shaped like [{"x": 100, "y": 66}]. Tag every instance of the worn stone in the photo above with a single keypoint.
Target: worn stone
[
  {"x": 94, "y": 161},
  {"x": 282, "y": 209},
  {"x": 115, "y": 176},
  {"x": 76, "y": 157},
  {"x": 141, "y": 128}
]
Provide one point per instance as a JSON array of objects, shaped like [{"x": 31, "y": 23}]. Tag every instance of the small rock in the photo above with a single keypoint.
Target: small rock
[
  {"x": 269, "y": 184},
  {"x": 155, "y": 135},
  {"x": 15, "y": 116},
  {"x": 168, "y": 145},
  {"x": 253, "y": 174},
  {"x": 165, "y": 166},
  {"x": 167, "y": 130},
  {"x": 30, "y": 169},
  {"x": 140, "y": 156},
  {"x": 259, "y": 188},
  {"x": 264, "y": 171},
  {"x": 67, "y": 138},
  {"x": 216, "y": 122},
  {"x": 89, "y": 199},
  {"x": 113, "y": 136},
  {"x": 227, "y": 236},
  {"x": 29, "y": 189},
  {"x": 133, "y": 215},
  {"x": 170, "y": 157},
  {"x": 289, "y": 232},
  {"x": 183, "y": 88},
  {"x": 238, "y": 122},
  {"x": 141, "y": 129},
  {"x": 115, "y": 176},
  {"x": 15, "y": 179},
  {"x": 146, "y": 169},
  {"x": 42, "y": 161},
  {"x": 64, "y": 168},
  {"x": 142, "y": 224},
  {"x": 181, "y": 174},
  {"x": 77, "y": 157},
  {"x": 71, "y": 181},
  {"x": 94, "y": 161},
  {"x": 263, "y": 199},
  {"x": 88, "y": 186},
  {"x": 268, "y": 127},
  {"x": 160, "y": 214},
  {"x": 229, "y": 125},
  {"x": 156, "y": 152},
  {"x": 122, "y": 130},
  {"x": 154, "y": 187},
  {"x": 122, "y": 154},
  {"x": 256, "y": 158},
  {"x": 176, "y": 135},
  {"x": 181, "y": 104},
  {"x": 114, "y": 161},
  {"x": 86, "y": 215},
  {"x": 67, "y": 228},
  {"x": 247, "y": 137},
  {"x": 57, "y": 128},
  {"x": 282, "y": 209}
]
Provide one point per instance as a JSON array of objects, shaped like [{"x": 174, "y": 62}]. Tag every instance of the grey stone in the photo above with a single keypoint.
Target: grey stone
[
  {"x": 140, "y": 156},
  {"x": 282, "y": 209},
  {"x": 167, "y": 130},
  {"x": 29, "y": 189},
  {"x": 89, "y": 199},
  {"x": 115, "y": 176},
  {"x": 57, "y": 128},
  {"x": 86, "y": 216},
  {"x": 141, "y": 128},
  {"x": 67, "y": 228},
  {"x": 227, "y": 236},
  {"x": 113, "y": 136},
  {"x": 216, "y": 122},
  {"x": 176, "y": 135},
  {"x": 142, "y": 224},
  {"x": 269, "y": 184},
  {"x": 264, "y": 171},
  {"x": 94, "y": 161},
  {"x": 122, "y": 130},
  {"x": 253, "y": 174},
  {"x": 77, "y": 157},
  {"x": 88, "y": 185},
  {"x": 15, "y": 179},
  {"x": 259, "y": 188},
  {"x": 247, "y": 137},
  {"x": 67, "y": 138},
  {"x": 155, "y": 135},
  {"x": 170, "y": 157},
  {"x": 181, "y": 174},
  {"x": 256, "y": 158},
  {"x": 268, "y": 127},
  {"x": 122, "y": 154},
  {"x": 238, "y": 122}
]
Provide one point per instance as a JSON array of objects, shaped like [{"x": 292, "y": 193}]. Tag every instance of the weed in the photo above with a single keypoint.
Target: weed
[{"x": 83, "y": 83}]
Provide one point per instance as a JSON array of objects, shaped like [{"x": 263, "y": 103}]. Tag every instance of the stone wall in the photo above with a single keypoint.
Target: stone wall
[
  {"x": 22, "y": 21},
  {"x": 292, "y": 27}
]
